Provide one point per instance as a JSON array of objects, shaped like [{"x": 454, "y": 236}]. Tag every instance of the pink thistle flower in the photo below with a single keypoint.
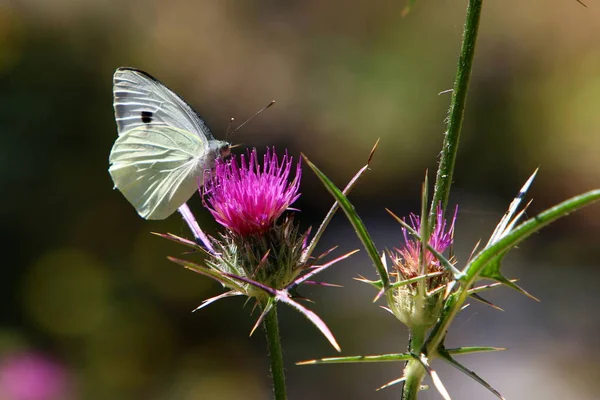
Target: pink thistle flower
[
  {"x": 32, "y": 376},
  {"x": 247, "y": 198},
  {"x": 407, "y": 258}
]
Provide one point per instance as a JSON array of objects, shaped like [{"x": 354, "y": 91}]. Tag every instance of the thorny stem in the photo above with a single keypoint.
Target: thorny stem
[
  {"x": 457, "y": 110},
  {"x": 271, "y": 326},
  {"x": 413, "y": 370}
]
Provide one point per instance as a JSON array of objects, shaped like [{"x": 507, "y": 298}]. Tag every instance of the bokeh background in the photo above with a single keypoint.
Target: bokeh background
[{"x": 91, "y": 307}]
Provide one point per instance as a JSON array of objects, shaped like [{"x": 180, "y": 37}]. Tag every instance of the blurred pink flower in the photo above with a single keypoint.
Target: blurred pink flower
[
  {"x": 31, "y": 376},
  {"x": 246, "y": 198}
]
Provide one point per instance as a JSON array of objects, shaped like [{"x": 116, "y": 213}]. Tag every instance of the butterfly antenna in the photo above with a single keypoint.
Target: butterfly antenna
[
  {"x": 229, "y": 126},
  {"x": 252, "y": 117}
]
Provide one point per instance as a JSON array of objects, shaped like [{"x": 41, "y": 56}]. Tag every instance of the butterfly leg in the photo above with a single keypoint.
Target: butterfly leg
[{"x": 199, "y": 235}]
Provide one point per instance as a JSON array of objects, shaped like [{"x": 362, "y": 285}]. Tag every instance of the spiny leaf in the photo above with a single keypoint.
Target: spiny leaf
[
  {"x": 180, "y": 240},
  {"x": 489, "y": 259},
  {"x": 425, "y": 232},
  {"x": 283, "y": 297},
  {"x": 473, "y": 349},
  {"x": 359, "y": 359},
  {"x": 326, "y": 284},
  {"x": 216, "y": 298},
  {"x": 320, "y": 268},
  {"x": 507, "y": 221},
  {"x": 307, "y": 253},
  {"x": 445, "y": 355},
  {"x": 355, "y": 220},
  {"x": 415, "y": 279},
  {"x": 258, "y": 285},
  {"x": 486, "y": 302},
  {"x": 510, "y": 283},
  {"x": 217, "y": 275},
  {"x": 437, "y": 382},
  {"x": 263, "y": 314},
  {"x": 376, "y": 284},
  {"x": 486, "y": 287},
  {"x": 391, "y": 383}
]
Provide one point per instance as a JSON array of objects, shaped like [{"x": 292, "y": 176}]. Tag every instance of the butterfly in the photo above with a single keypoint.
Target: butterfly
[{"x": 163, "y": 148}]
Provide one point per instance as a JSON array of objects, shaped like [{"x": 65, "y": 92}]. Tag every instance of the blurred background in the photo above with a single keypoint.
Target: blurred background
[{"x": 91, "y": 307}]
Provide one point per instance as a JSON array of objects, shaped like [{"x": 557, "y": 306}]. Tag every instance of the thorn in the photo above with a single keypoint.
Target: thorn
[{"x": 373, "y": 151}]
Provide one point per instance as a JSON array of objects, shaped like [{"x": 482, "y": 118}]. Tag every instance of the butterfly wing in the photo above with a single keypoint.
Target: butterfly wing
[
  {"x": 158, "y": 167},
  {"x": 142, "y": 100}
]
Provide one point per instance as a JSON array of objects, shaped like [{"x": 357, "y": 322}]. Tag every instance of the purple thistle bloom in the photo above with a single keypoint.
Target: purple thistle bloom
[
  {"x": 407, "y": 260},
  {"x": 246, "y": 198}
]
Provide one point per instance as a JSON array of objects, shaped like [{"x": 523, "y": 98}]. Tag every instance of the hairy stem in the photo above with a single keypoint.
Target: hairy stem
[
  {"x": 413, "y": 370},
  {"x": 457, "y": 110},
  {"x": 271, "y": 326}
]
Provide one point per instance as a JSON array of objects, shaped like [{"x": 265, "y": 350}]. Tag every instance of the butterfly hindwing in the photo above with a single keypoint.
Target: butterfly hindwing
[{"x": 158, "y": 168}]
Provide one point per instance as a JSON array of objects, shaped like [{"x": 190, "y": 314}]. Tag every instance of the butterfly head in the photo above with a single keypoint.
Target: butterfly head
[
  {"x": 219, "y": 149},
  {"x": 224, "y": 150}
]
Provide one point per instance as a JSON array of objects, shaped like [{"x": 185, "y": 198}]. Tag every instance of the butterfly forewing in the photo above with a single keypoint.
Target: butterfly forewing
[{"x": 141, "y": 100}]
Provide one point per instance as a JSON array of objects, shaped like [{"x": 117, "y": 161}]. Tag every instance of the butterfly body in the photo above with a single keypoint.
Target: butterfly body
[{"x": 163, "y": 149}]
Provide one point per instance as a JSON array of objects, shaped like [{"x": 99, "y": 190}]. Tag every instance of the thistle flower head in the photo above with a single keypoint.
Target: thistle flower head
[
  {"x": 419, "y": 303},
  {"x": 259, "y": 255},
  {"x": 407, "y": 259},
  {"x": 247, "y": 198}
]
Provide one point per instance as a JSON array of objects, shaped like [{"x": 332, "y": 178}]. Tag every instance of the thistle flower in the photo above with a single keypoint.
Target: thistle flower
[
  {"x": 247, "y": 200},
  {"x": 419, "y": 303},
  {"x": 32, "y": 376},
  {"x": 407, "y": 260},
  {"x": 261, "y": 254}
]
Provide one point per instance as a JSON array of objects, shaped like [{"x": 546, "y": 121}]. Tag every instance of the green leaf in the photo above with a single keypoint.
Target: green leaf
[
  {"x": 486, "y": 264},
  {"x": 391, "y": 383},
  {"x": 180, "y": 240},
  {"x": 313, "y": 243},
  {"x": 415, "y": 279},
  {"x": 283, "y": 297},
  {"x": 491, "y": 255},
  {"x": 376, "y": 284},
  {"x": 473, "y": 349},
  {"x": 437, "y": 382},
  {"x": 209, "y": 272},
  {"x": 359, "y": 359},
  {"x": 424, "y": 234},
  {"x": 484, "y": 301},
  {"x": 355, "y": 220},
  {"x": 445, "y": 355}
]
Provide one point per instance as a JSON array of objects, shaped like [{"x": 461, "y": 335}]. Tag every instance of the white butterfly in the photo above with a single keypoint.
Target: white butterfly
[{"x": 163, "y": 148}]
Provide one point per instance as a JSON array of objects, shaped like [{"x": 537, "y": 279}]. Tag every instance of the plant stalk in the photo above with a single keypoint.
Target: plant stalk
[
  {"x": 271, "y": 326},
  {"x": 413, "y": 370},
  {"x": 457, "y": 110}
]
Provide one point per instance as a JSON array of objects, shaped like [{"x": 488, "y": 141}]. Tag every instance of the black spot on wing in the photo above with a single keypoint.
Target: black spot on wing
[{"x": 147, "y": 117}]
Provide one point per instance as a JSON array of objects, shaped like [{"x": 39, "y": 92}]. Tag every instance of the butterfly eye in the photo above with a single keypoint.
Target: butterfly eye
[
  {"x": 146, "y": 117},
  {"x": 225, "y": 151}
]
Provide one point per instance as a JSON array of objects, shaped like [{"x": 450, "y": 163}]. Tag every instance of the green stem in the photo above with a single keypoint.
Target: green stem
[
  {"x": 271, "y": 326},
  {"x": 457, "y": 110},
  {"x": 413, "y": 370}
]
